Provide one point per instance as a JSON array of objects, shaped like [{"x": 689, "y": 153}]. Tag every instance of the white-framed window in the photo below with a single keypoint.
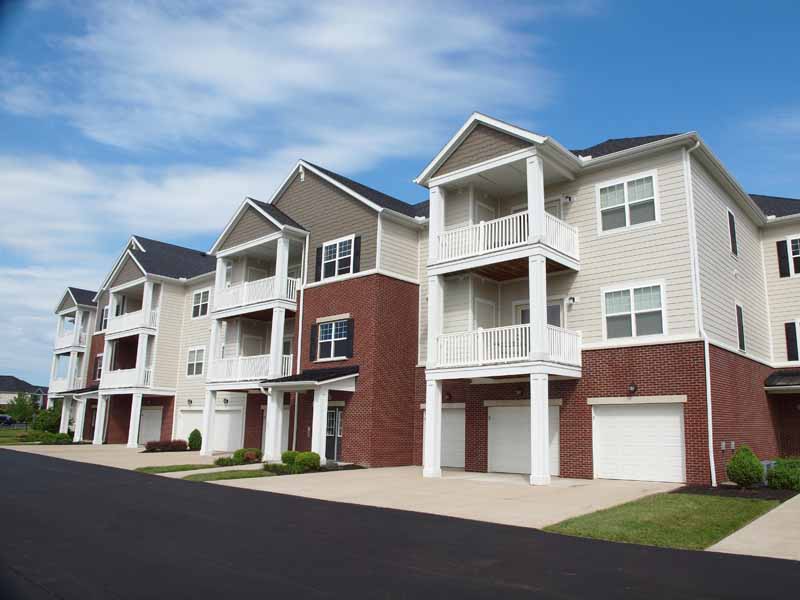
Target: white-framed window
[
  {"x": 634, "y": 311},
  {"x": 104, "y": 318},
  {"x": 330, "y": 425},
  {"x": 732, "y": 233},
  {"x": 195, "y": 362},
  {"x": 200, "y": 303},
  {"x": 628, "y": 202},
  {"x": 740, "y": 327},
  {"x": 98, "y": 366},
  {"x": 337, "y": 257},
  {"x": 333, "y": 340},
  {"x": 555, "y": 312},
  {"x": 794, "y": 254}
]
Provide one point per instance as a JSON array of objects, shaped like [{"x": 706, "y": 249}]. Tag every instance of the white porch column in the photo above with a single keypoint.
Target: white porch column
[
  {"x": 80, "y": 418},
  {"x": 108, "y": 346},
  {"x": 141, "y": 359},
  {"x": 66, "y": 405},
  {"x": 319, "y": 423},
  {"x": 537, "y": 299},
  {"x": 272, "y": 441},
  {"x": 435, "y": 316},
  {"x": 136, "y": 418},
  {"x": 147, "y": 301},
  {"x": 276, "y": 342},
  {"x": 76, "y": 333},
  {"x": 282, "y": 265},
  {"x": 432, "y": 432},
  {"x": 435, "y": 221},
  {"x": 209, "y": 410},
  {"x": 535, "y": 177},
  {"x": 72, "y": 370},
  {"x": 540, "y": 430},
  {"x": 100, "y": 419}
]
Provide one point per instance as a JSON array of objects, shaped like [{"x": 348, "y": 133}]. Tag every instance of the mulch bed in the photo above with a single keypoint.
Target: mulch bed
[{"x": 732, "y": 491}]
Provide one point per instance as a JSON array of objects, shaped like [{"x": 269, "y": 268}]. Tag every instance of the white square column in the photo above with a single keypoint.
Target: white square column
[
  {"x": 540, "y": 430},
  {"x": 435, "y": 221},
  {"x": 136, "y": 418},
  {"x": 209, "y": 412},
  {"x": 432, "y": 432},
  {"x": 100, "y": 419},
  {"x": 80, "y": 418},
  {"x": 536, "y": 216},
  {"x": 276, "y": 342},
  {"x": 435, "y": 318},
  {"x": 282, "y": 266},
  {"x": 319, "y": 423},
  {"x": 272, "y": 441},
  {"x": 63, "y": 426},
  {"x": 537, "y": 302},
  {"x": 141, "y": 360},
  {"x": 72, "y": 370}
]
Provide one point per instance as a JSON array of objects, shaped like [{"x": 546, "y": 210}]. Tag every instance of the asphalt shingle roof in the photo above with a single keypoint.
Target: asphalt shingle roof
[
  {"x": 783, "y": 378},
  {"x": 618, "y": 144},
  {"x": 85, "y": 297},
  {"x": 316, "y": 375},
  {"x": 9, "y": 383},
  {"x": 277, "y": 214},
  {"x": 169, "y": 260},
  {"x": 777, "y": 205}
]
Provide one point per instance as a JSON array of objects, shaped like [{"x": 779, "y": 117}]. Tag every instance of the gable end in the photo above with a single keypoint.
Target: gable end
[
  {"x": 482, "y": 143},
  {"x": 250, "y": 226}
]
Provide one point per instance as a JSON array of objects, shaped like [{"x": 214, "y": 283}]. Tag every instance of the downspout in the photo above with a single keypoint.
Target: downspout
[{"x": 698, "y": 299}]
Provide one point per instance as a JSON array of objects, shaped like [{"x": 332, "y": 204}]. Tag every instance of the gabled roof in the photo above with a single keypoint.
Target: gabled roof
[
  {"x": 777, "y": 206},
  {"x": 277, "y": 214},
  {"x": 618, "y": 144},
  {"x": 82, "y": 297},
  {"x": 169, "y": 260},
  {"x": 9, "y": 383}
]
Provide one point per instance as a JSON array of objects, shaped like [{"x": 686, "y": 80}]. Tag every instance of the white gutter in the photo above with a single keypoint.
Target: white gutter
[{"x": 698, "y": 299}]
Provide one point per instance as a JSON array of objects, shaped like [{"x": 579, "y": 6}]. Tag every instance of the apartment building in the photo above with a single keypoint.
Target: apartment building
[{"x": 619, "y": 311}]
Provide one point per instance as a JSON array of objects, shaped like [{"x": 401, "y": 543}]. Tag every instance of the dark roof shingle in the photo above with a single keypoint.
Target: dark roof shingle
[
  {"x": 277, "y": 214},
  {"x": 618, "y": 144},
  {"x": 783, "y": 378},
  {"x": 9, "y": 383},
  {"x": 169, "y": 260},
  {"x": 777, "y": 206},
  {"x": 85, "y": 297},
  {"x": 315, "y": 375}
]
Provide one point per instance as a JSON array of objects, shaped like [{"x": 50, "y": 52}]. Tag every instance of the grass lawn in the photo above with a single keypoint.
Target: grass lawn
[
  {"x": 173, "y": 468},
  {"x": 9, "y": 437},
  {"x": 222, "y": 475},
  {"x": 689, "y": 521}
]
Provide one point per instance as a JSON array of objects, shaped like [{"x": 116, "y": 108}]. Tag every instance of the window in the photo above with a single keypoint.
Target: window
[
  {"x": 333, "y": 342},
  {"x": 337, "y": 258},
  {"x": 794, "y": 247},
  {"x": 732, "y": 233},
  {"x": 522, "y": 314},
  {"x": 634, "y": 312},
  {"x": 98, "y": 366},
  {"x": 200, "y": 304},
  {"x": 104, "y": 318},
  {"x": 791, "y": 341},
  {"x": 627, "y": 203},
  {"x": 740, "y": 326},
  {"x": 194, "y": 365},
  {"x": 330, "y": 425}
]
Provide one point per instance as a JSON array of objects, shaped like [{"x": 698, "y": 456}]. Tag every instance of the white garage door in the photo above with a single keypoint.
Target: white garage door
[
  {"x": 453, "y": 437},
  {"x": 228, "y": 430},
  {"x": 510, "y": 439},
  {"x": 188, "y": 421},
  {"x": 150, "y": 424},
  {"x": 641, "y": 441}
]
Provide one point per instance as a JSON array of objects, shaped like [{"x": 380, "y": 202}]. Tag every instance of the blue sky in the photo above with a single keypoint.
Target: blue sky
[{"x": 157, "y": 118}]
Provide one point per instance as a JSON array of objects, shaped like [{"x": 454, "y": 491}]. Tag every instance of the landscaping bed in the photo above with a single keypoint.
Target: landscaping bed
[
  {"x": 172, "y": 468},
  {"x": 733, "y": 491},
  {"x": 223, "y": 475}
]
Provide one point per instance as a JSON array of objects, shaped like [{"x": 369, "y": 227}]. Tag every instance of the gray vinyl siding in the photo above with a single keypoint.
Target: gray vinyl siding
[
  {"x": 783, "y": 292},
  {"x": 129, "y": 271},
  {"x": 456, "y": 304},
  {"x": 66, "y": 303},
  {"x": 168, "y": 338},
  {"x": 456, "y": 209},
  {"x": 329, "y": 213},
  {"x": 399, "y": 248},
  {"x": 481, "y": 144},
  {"x": 250, "y": 226},
  {"x": 194, "y": 333},
  {"x": 726, "y": 279},
  {"x": 485, "y": 289}
]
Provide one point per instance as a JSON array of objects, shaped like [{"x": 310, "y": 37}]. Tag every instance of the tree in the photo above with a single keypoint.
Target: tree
[
  {"x": 22, "y": 408},
  {"x": 48, "y": 420}
]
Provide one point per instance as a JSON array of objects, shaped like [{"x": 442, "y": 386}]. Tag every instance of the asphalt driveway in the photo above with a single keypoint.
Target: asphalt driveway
[{"x": 73, "y": 530}]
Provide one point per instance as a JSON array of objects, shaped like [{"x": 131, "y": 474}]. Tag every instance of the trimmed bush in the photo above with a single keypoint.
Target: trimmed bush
[
  {"x": 278, "y": 468},
  {"x": 245, "y": 456},
  {"x": 306, "y": 461},
  {"x": 225, "y": 461},
  {"x": 785, "y": 475},
  {"x": 47, "y": 420},
  {"x": 744, "y": 468},
  {"x": 45, "y": 437},
  {"x": 289, "y": 457},
  {"x": 166, "y": 446},
  {"x": 195, "y": 440}
]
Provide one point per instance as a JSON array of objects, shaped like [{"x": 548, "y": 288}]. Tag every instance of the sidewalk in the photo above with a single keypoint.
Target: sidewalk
[{"x": 775, "y": 535}]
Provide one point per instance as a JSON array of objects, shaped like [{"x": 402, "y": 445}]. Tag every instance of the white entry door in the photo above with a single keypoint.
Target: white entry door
[
  {"x": 150, "y": 424},
  {"x": 453, "y": 424},
  {"x": 228, "y": 430},
  {"x": 510, "y": 439},
  {"x": 639, "y": 441}
]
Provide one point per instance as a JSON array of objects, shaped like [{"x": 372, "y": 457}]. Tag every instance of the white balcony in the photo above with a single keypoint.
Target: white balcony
[
  {"x": 506, "y": 233},
  {"x": 124, "y": 378},
  {"x": 506, "y": 345},
  {"x": 131, "y": 321},
  {"x": 70, "y": 338},
  {"x": 253, "y": 292},
  {"x": 247, "y": 368},
  {"x": 63, "y": 384}
]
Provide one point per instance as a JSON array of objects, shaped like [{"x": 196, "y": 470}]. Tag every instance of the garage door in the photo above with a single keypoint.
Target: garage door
[
  {"x": 641, "y": 442},
  {"x": 453, "y": 437},
  {"x": 510, "y": 439},
  {"x": 228, "y": 430},
  {"x": 188, "y": 421}
]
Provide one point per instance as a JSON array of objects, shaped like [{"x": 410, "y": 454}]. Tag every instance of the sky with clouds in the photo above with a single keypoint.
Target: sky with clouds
[{"x": 157, "y": 118}]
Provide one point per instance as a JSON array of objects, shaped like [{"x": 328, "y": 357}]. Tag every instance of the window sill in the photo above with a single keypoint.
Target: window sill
[
  {"x": 334, "y": 359},
  {"x": 628, "y": 229}
]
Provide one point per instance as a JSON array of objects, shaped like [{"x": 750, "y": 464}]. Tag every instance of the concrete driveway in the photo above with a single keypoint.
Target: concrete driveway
[
  {"x": 494, "y": 498},
  {"x": 114, "y": 455}
]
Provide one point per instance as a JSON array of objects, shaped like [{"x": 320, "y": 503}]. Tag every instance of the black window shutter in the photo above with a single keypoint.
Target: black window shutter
[
  {"x": 312, "y": 341},
  {"x": 350, "y": 332},
  {"x": 783, "y": 258},
  {"x": 732, "y": 232},
  {"x": 791, "y": 340},
  {"x": 357, "y": 254},
  {"x": 318, "y": 265},
  {"x": 740, "y": 327}
]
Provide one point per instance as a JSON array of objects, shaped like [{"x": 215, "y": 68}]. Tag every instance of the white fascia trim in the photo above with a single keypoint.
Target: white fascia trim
[
  {"x": 446, "y": 405},
  {"x": 482, "y": 166},
  {"x": 136, "y": 390},
  {"x": 667, "y": 399},
  {"x": 655, "y": 340},
  {"x": 247, "y": 202},
  {"x": 127, "y": 284},
  {"x": 61, "y": 299},
  {"x": 341, "y": 186},
  {"x": 117, "y": 264},
  {"x": 775, "y": 221},
  {"x": 519, "y": 402},
  {"x": 782, "y": 389},
  {"x": 303, "y": 385},
  {"x": 247, "y": 245}
]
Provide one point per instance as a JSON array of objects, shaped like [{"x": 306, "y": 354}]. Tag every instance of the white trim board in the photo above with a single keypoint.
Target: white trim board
[{"x": 669, "y": 399}]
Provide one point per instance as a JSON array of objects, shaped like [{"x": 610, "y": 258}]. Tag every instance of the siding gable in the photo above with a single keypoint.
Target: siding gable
[
  {"x": 250, "y": 226},
  {"x": 481, "y": 144},
  {"x": 66, "y": 302},
  {"x": 129, "y": 271}
]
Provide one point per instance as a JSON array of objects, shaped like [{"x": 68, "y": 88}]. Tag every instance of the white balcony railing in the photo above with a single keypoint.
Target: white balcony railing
[
  {"x": 64, "y": 384},
  {"x": 500, "y": 345},
  {"x": 246, "y": 368},
  {"x": 132, "y": 320},
  {"x": 505, "y": 232},
  {"x": 251, "y": 292},
  {"x": 123, "y": 378},
  {"x": 70, "y": 338}
]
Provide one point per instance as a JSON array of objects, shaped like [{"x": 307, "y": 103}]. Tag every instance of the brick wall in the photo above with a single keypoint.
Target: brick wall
[
  {"x": 167, "y": 405},
  {"x": 119, "y": 419},
  {"x": 254, "y": 421},
  {"x": 96, "y": 347}
]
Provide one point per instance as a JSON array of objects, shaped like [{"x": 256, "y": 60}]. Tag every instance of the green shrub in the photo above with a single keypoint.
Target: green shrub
[
  {"x": 306, "y": 461},
  {"x": 289, "y": 457},
  {"x": 47, "y": 420},
  {"x": 745, "y": 469},
  {"x": 195, "y": 440},
  {"x": 245, "y": 456},
  {"x": 278, "y": 468},
  {"x": 165, "y": 446},
  {"x": 225, "y": 461},
  {"x": 785, "y": 475},
  {"x": 46, "y": 437}
]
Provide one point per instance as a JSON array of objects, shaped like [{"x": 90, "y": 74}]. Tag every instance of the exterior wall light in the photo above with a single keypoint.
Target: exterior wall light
[{"x": 632, "y": 389}]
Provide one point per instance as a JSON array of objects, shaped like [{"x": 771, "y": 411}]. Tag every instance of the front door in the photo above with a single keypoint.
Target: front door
[
  {"x": 333, "y": 439},
  {"x": 91, "y": 415}
]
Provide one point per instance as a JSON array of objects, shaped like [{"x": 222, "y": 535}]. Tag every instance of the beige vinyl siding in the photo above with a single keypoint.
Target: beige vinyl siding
[
  {"x": 399, "y": 248},
  {"x": 782, "y": 292},
  {"x": 250, "y": 226},
  {"x": 481, "y": 144},
  {"x": 511, "y": 292},
  {"x": 726, "y": 279},
  {"x": 422, "y": 269},
  {"x": 456, "y": 304},
  {"x": 488, "y": 290},
  {"x": 194, "y": 333},
  {"x": 66, "y": 303},
  {"x": 102, "y": 302},
  {"x": 329, "y": 213},
  {"x": 129, "y": 271},
  {"x": 456, "y": 208},
  {"x": 168, "y": 338}
]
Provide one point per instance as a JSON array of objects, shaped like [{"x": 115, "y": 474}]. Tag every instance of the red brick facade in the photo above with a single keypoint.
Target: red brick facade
[
  {"x": 119, "y": 417},
  {"x": 96, "y": 347}
]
